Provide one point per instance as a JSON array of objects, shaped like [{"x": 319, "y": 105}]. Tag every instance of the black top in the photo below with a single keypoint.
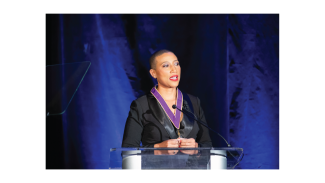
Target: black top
[{"x": 148, "y": 123}]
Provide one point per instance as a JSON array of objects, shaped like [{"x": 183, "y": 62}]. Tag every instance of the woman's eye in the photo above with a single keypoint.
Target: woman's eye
[
  {"x": 165, "y": 65},
  {"x": 176, "y": 63}
]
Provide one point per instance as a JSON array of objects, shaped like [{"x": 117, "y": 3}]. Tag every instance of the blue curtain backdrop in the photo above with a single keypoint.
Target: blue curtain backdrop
[{"x": 231, "y": 62}]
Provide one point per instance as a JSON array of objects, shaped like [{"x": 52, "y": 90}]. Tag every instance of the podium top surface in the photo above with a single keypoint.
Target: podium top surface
[
  {"x": 200, "y": 157},
  {"x": 200, "y": 148}
]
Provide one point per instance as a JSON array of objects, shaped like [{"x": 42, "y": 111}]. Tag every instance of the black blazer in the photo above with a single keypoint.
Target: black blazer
[{"x": 148, "y": 123}]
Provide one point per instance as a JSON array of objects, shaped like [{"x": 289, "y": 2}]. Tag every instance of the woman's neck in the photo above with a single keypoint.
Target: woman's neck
[{"x": 167, "y": 93}]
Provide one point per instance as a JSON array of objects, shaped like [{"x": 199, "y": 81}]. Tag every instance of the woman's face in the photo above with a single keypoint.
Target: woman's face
[{"x": 168, "y": 70}]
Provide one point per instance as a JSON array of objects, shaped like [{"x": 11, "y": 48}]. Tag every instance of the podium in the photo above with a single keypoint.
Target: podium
[{"x": 175, "y": 158}]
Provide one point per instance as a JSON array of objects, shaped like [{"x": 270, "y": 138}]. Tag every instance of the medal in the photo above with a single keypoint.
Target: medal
[{"x": 175, "y": 119}]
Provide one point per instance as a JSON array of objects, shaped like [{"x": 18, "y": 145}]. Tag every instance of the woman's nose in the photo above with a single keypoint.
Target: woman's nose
[{"x": 173, "y": 68}]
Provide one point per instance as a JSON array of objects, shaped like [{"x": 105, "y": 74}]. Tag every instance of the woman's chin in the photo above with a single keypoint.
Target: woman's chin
[
  {"x": 169, "y": 85},
  {"x": 174, "y": 85}
]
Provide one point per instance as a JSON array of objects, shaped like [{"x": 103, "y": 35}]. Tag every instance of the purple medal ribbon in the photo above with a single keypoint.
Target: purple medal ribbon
[{"x": 175, "y": 119}]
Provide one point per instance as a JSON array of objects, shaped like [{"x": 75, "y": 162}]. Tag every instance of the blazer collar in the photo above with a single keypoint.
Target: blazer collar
[
  {"x": 162, "y": 118},
  {"x": 188, "y": 122},
  {"x": 160, "y": 115}
]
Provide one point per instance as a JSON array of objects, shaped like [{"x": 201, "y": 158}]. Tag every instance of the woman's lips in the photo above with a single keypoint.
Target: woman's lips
[{"x": 174, "y": 78}]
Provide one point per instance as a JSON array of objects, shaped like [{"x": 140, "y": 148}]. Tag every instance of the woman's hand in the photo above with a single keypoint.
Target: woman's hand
[
  {"x": 188, "y": 143},
  {"x": 168, "y": 143},
  {"x": 172, "y": 143}
]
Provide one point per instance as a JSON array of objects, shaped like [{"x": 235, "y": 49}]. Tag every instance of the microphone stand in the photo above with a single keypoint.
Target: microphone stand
[
  {"x": 196, "y": 119},
  {"x": 187, "y": 112}
]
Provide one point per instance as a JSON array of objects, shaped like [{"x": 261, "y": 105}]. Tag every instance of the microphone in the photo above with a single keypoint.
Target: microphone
[{"x": 187, "y": 112}]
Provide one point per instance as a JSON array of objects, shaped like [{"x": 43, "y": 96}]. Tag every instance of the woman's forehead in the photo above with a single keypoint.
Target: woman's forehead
[{"x": 166, "y": 57}]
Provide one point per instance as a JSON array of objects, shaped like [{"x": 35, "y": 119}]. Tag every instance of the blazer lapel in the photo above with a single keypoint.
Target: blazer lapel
[
  {"x": 160, "y": 115},
  {"x": 188, "y": 122}
]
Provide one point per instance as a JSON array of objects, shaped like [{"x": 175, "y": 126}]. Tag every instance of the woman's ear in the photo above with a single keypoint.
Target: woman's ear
[{"x": 153, "y": 73}]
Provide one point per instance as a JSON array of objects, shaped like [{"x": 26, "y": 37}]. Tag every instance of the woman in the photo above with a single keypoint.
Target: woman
[{"x": 152, "y": 119}]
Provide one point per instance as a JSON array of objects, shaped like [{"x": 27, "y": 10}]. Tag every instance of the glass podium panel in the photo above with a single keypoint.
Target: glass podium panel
[
  {"x": 62, "y": 82},
  {"x": 175, "y": 158}
]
